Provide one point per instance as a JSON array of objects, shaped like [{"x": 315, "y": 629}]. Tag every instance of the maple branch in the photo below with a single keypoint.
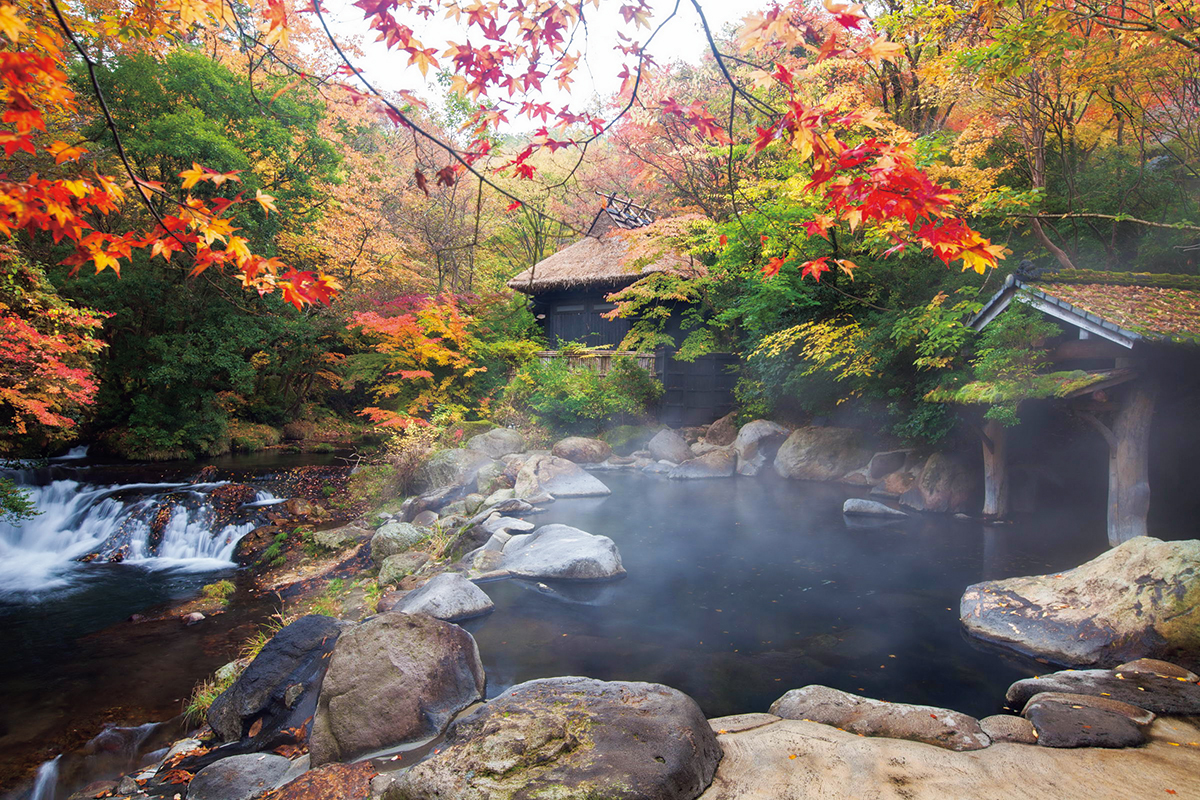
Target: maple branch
[
  {"x": 453, "y": 153},
  {"x": 1178, "y": 226},
  {"x": 111, "y": 124},
  {"x": 712, "y": 46}
]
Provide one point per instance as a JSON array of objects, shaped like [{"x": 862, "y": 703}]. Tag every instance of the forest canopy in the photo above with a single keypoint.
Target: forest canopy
[{"x": 220, "y": 226}]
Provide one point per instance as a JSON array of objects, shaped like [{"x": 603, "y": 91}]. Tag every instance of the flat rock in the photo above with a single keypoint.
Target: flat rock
[
  {"x": 1008, "y": 728},
  {"x": 393, "y": 679},
  {"x": 1151, "y": 692},
  {"x": 756, "y": 443},
  {"x": 858, "y": 507},
  {"x": 330, "y": 782},
  {"x": 1136, "y": 715},
  {"x": 425, "y": 519},
  {"x": 1139, "y": 599},
  {"x": 581, "y": 450},
  {"x": 717, "y": 463},
  {"x": 393, "y": 538},
  {"x": 238, "y": 777},
  {"x": 571, "y": 738},
  {"x": 1153, "y": 666},
  {"x": 448, "y": 596},
  {"x": 399, "y": 566},
  {"x": 339, "y": 538},
  {"x": 497, "y": 442},
  {"x": 667, "y": 445},
  {"x": 937, "y": 726},
  {"x": 265, "y": 692},
  {"x": 796, "y": 760},
  {"x": 1072, "y": 725},
  {"x": 557, "y": 477},
  {"x": 562, "y": 552},
  {"x": 821, "y": 454}
]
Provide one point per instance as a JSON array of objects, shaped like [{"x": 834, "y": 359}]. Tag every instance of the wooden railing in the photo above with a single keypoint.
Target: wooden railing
[{"x": 599, "y": 360}]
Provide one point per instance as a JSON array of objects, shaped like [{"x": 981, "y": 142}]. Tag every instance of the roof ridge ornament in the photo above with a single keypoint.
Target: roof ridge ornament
[{"x": 625, "y": 213}]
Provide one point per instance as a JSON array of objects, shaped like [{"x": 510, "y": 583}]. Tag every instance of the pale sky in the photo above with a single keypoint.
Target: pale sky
[{"x": 682, "y": 39}]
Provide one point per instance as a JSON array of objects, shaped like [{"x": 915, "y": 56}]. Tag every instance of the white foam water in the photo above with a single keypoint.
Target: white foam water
[{"x": 40, "y": 553}]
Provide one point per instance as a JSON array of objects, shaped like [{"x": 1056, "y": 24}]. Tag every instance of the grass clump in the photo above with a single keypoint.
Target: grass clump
[{"x": 218, "y": 592}]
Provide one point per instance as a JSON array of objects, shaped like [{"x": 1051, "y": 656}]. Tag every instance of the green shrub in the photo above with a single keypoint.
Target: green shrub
[
  {"x": 579, "y": 400},
  {"x": 220, "y": 591},
  {"x": 250, "y": 437}
]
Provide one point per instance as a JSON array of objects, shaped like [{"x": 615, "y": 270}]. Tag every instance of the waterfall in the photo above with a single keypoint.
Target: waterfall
[
  {"x": 46, "y": 782},
  {"x": 154, "y": 525}
]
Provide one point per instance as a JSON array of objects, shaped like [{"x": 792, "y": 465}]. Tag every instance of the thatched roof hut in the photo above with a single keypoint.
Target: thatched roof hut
[{"x": 610, "y": 256}]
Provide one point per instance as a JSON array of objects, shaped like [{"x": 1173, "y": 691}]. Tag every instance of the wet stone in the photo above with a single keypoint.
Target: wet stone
[
  {"x": 1152, "y": 666},
  {"x": 1151, "y": 692},
  {"x": 1138, "y": 716},
  {"x": 1063, "y": 725}
]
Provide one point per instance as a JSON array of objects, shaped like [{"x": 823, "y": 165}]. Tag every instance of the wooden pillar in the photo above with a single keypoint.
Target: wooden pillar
[
  {"x": 1129, "y": 465},
  {"x": 995, "y": 469}
]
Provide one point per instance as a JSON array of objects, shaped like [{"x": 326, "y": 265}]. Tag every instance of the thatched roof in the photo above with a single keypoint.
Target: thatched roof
[{"x": 608, "y": 257}]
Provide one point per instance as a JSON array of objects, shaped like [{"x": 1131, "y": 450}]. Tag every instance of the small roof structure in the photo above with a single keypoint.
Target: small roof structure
[
  {"x": 620, "y": 247},
  {"x": 1123, "y": 307},
  {"x": 1063, "y": 385}
]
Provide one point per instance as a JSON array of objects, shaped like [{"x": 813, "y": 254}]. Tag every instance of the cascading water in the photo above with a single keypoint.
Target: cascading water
[
  {"x": 46, "y": 782},
  {"x": 192, "y": 526}
]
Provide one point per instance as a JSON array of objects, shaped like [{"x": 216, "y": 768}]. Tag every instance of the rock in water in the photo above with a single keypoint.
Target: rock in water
[
  {"x": 581, "y": 450},
  {"x": 1139, "y": 599},
  {"x": 1150, "y": 692},
  {"x": 394, "y": 538},
  {"x": 393, "y": 679},
  {"x": 667, "y": 445},
  {"x": 850, "y": 712},
  {"x": 448, "y": 596},
  {"x": 238, "y": 777},
  {"x": 946, "y": 485},
  {"x": 856, "y": 506},
  {"x": 713, "y": 464},
  {"x": 562, "y": 552},
  {"x": 756, "y": 443},
  {"x": 821, "y": 454},
  {"x": 572, "y": 738},
  {"x": 295, "y": 657},
  {"x": 557, "y": 477},
  {"x": 450, "y": 468},
  {"x": 497, "y": 442}
]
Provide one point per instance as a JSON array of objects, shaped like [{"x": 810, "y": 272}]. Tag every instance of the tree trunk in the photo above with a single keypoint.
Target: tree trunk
[
  {"x": 995, "y": 470},
  {"x": 1129, "y": 465}
]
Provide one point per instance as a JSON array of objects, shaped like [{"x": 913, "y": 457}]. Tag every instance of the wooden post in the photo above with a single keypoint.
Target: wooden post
[
  {"x": 1129, "y": 465},
  {"x": 995, "y": 470}
]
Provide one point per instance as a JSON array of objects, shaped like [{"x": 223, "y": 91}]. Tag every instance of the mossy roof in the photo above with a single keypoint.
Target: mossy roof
[
  {"x": 1066, "y": 383},
  {"x": 1154, "y": 312}
]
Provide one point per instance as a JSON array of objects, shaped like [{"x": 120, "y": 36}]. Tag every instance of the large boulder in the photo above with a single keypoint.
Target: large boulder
[
  {"x": 280, "y": 686},
  {"x": 340, "y": 538},
  {"x": 581, "y": 450},
  {"x": 394, "y": 679},
  {"x": 448, "y": 596},
  {"x": 330, "y": 782},
  {"x": 864, "y": 715},
  {"x": 450, "y": 468},
  {"x": 756, "y": 443},
  {"x": 821, "y": 454},
  {"x": 667, "y": 445},
  {"x": 713, "y": 464},
  {"x": 393, "y": 538},
  {"x": 1068, "y": 724},
  {"x": 238, "y": 777},
  {"x": 497, "y": 442},
  {"x": 723, "y": 431},
  {"x": 1139, "y": 599},
  {"x": 572, "y": 738},
  {"x": 561, "y": 552},
  {"x": 558, "y": 478},
  {"x": 946, "y": 485}
]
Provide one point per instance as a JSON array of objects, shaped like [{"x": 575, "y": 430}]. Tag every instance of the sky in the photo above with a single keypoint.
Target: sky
[{"x": 682, "y": 39}]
